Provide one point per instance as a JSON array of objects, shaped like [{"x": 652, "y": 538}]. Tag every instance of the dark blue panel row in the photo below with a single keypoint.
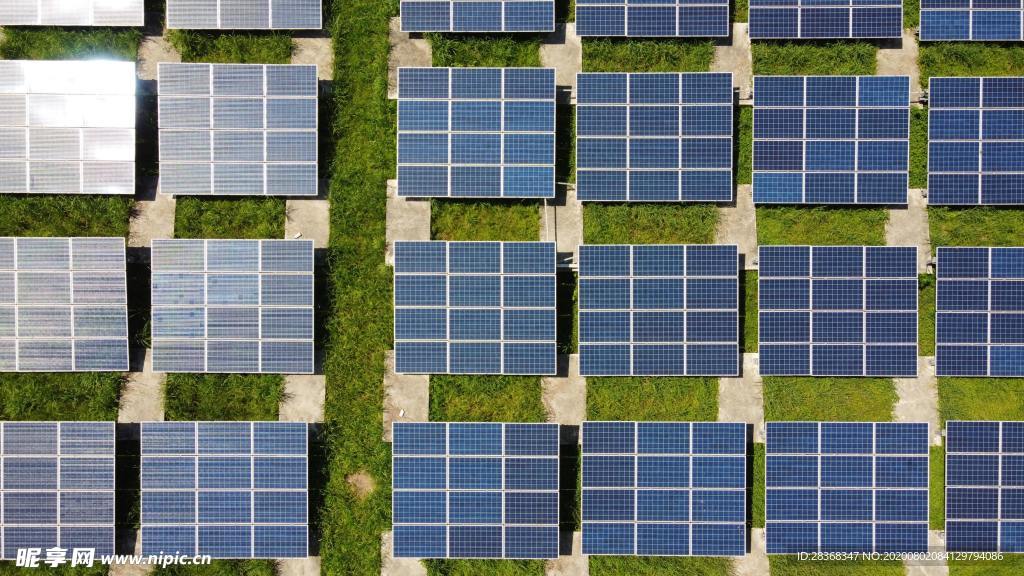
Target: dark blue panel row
[
  {"x": 958, "y": 20},
  {"x": 639, "y": 18},
  {"x": 832, "y": 19},
  {"x": 478, "y": 16},
  {"x": 795, "y": 537}
]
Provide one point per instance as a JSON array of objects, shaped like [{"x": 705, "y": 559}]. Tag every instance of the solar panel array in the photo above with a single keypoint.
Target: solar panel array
[
  {"x": 227, "y": 489},
  {"x": 73, "y": 13},
  {"x": 238, "y": 129},
  {"x": 244, "y": 14},
  {"x": 654, "y": 137},
  {"x": 232, "y": 306},
  {"x": 475, "y": 308},
  {"x": 67, "y": 127},
  {"x": 639, "y": 18},
  {"x": 831, "y": 139},
  {"x": 478, "y": 15},
  {"x": 476, "y": 132},
  {"x": 58, "y": 486},
  {"x": 984, "y": 486},
  {"x": 664, "y": 488},
  {"x": 846, "y": 487},
  {"x": 63, "y": 305},
  {"x": 837, "y": 311},
  {"x": 658, "y": 310},
  {"x": 989, "y": 20},
  {"x": 476, "y": 490},
  {"x": 976, "y": 141},
  {"x": 979, "y": 312},
  {"x": 826, "y": 19}
]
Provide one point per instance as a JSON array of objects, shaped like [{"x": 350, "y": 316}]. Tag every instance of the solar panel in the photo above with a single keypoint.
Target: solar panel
[
  {"x": 659, "y": 310},
  {"x": 58, "y": 486},
  {"x": 238, "y": 129},
  {"x": 475, "y": 490},
  {"x": 226, "y": 489},
  {"x": 654, "y": 137},
  {"x": 475, "y": 308},
  {"x": 979, "y": 327},
  {"x": 75, "y": 13},
  {"x": 244, "y": 14},
  {"x": 984, "y": 486},
  {"x": 837, "y": 311},
  {"x": 831, "y": 19},
  {"x": 976, "y": 141},
  {"x": 846, "y": 487},
  {"x": 831, "y": 139},
  {"x": 971, "y": 20},
  {"x": 233, "y": 306},
  {"x": 639, "y": 18},
  {"x": 67, "y": 127},
  {"x": 478, "y": 15},
  {"x": 63, "y": 305},
  {"x": 476, "y": 132},
  {"x": 664, "y": 488}
]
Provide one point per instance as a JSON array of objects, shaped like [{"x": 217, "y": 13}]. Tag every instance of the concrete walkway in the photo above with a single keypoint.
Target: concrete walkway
[
  {"x": 565, "y": 395},
  {"x": 932, "y": 567},
  {"x": 563, "y": 51},
  {"x": 918, "y": 398},
  {"x": 909, "y": 227},
  {"x": 900, "y": 59},
  {"x": 152, "y": 217},
  {"x": 304, "y": 397},
  {"x": 561, "y": 222},
  {"x": 405, "y": 52},
  {"x": 742, "y": 399},
  {"x": 317, "y": 51},
  {"x": 406, "y": 397},
  {"x": 755, "y": 563},
  {"x": 152, "y": 51},
  {"x": 736, "y": 57},
  {"x": 575, "y": 565},
  {"x": 142, "y": 397},
  {"x": 133, "y": 569},
  {"x": 299, "y": 566},
  {"x": 407, "y": 219},
  {"x": 737, "y": 224},
  {"x": 390, "y": 566},
  {"x": 309, "y": 219}
]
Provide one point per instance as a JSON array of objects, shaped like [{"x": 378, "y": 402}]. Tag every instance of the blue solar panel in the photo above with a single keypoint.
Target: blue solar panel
[
  {"x": 475, "y": 307},
  {"x": 639, "y": 18},
  {"x": 476, "y": 132},
  {"x": 475, "y": 490},
  {"x": 478, "y": 15},
  {"x": 846, "y": 487},
  {"x": 226, "y": 489},
  {"x": 983, "y": 20},
  {"x": 979, "y": 328},
  {"x": 837, "y": 311},
  {"x": 976, "y": 141},
  {"x": 984, "y": 486},
  {"x": 58, "y": 486},
  {"x": 658, "y": 310},
  {"x": 654, "y": 137},
  {"x": 831, "y": 140},
  {"x": 664, "y": 488},
  {"x": 830, "y": 19}
]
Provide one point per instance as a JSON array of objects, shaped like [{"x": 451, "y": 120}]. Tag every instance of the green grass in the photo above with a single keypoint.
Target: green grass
[
  {"x": 44, "y": 570},
  {"x": 838, "y": 58},
  {"x": 918, "y": 147},
  {"x": 67, "y": 44},
  {"x": 484, "y": 220},
  {"x": 223, "y": 568},
  {"x": 223, "y": 396},
  {"x": 658, "y": 566},
  {"x": 926, "y": 315},
  {"x": 649, "y": 223},
  {"x": 821, "y": 225},
  {"x": 64, "y": 215},
  {"x": 59, "y": 396},
  {"x": 739, "y": 10},
  {"x": 485, "y": 50},
  {"x": 757, "y": 488},
  {"x": 970, "y": 59},
  {"x": 744, "y": 144},
  {"x": 255, "y": 48},
  {"x": 835, "y": 399},
  {"x": 937, "y": 488},
  {"x": 486, "y": 399},
  {"x": 622, "y": 55},
  {"x": 789, "y": 565},
  {"x": 254, "y": 218},
  {"x": 1010, "y": 565},
  {"x": 749, "y": 303},
  {"x": 911, "y": 13},
  {"x": 491, "y": 567},
  {"x": 977, "y": 226},
  {"x": 623, "y": 398},
  {"x": 981, "y": 398}
]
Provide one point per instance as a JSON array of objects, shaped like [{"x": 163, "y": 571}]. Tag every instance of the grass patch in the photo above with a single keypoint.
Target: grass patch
[
  {"x": 484, "y": 50},
  {"x": 59, "y": 396},
  {"x": 658, "y": 566},
  {"x": 981, "y": 399},
  {"x": 224, "y": 568},
  {"x": 241, "y": 218},
  {"x": 970, "y": 59},
  {"x": 740, "y": 10},
  {"x": 757, "y": 488},
  {"x": 1010, "y": 565},
  {"x": 918, "y": 147},
  {"x": 821, "y": 224},
  {"x": 911, "y": 13},
  {"x": 976, "y": 226},
  {"x": 254, "y": 48},
  {"x": 791, "y": 565},
  {"x": 926, "y": 315},
  {"x": 631, "y": 55},
  {"x": 635, "y": 223},
  {"x": 64, "y": 215},
  {"x": 508, "y": 220},
  {"x": 744, "y": 144},
  {"x": 9, "y": 567},
  {"x": 66, "y": 43},
  {"x": 486, "y": 399},
  {"x": 749, "y": 310},
  {"x": 835, "y": 399},
  {"x": 824, "y": 58},
  {"x": 492, "y": 567},
  {"x": 937, "y": 488},
  {"x": 223, "y": 396},
  {"x": 669, "y": 399}
]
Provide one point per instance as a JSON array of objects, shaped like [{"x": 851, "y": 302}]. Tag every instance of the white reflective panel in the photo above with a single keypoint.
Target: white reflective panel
[
  {"x": 244, "y": 14},
  {"x": 72, "y": 12}
]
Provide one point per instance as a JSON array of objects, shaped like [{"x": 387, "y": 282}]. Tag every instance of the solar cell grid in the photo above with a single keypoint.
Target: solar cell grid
[
  {"x": 58, "y": 486},
  {"x": 639, "y": 18},
  {"x": 980, "y": 20},
  {"x": 664, "y": 488},
  {"x": 476, "y": 132},
  {"x": 475, "y": 490},
  {"x": 831, "y": 139},
  {"x": 478, "y": 15},
  {"x": 238, "y": 129},
  {"x": 846, "y": 487},
  {"x": 77, "y": 13},
  {"x": 244, "y": 14},
  {"x": 227, "y": 489},
  {"x": 837, "y": 311},
  {"x": 829, "y": 19},
  {"x": 654, "y": 137}
]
